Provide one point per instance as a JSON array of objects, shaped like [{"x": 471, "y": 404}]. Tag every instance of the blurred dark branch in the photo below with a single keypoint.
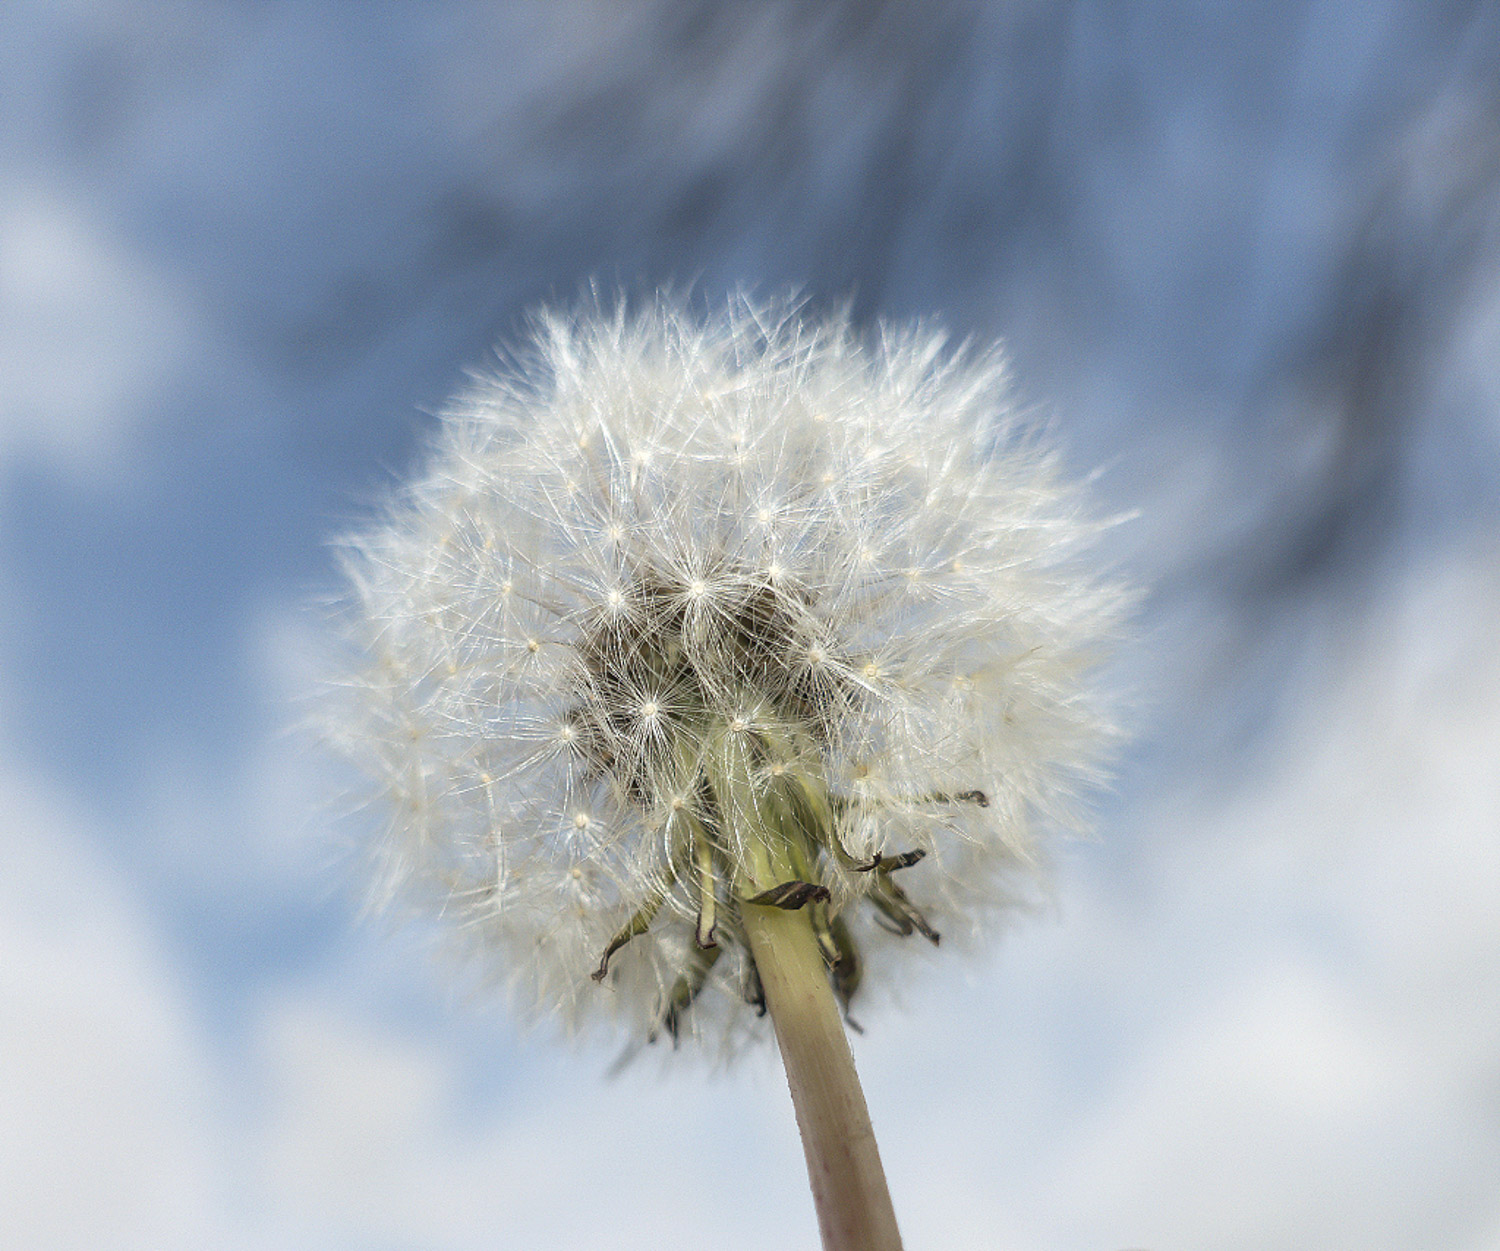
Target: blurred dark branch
[{"x": 1400, "y": 298}]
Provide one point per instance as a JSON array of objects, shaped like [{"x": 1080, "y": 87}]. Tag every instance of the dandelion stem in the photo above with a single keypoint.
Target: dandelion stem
[{"x": 843, "y": 1162}]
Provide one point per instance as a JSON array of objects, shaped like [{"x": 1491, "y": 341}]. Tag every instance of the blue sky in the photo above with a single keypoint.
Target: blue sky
[{"x": 1245, "y": 258}]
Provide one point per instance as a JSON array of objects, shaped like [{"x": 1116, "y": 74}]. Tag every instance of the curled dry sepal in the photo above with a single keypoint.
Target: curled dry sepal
[{"x": 688, "y": 612}]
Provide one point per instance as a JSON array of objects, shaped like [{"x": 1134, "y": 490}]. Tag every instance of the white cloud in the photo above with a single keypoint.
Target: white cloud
[
  {"x": 1284, "y": 1038},
  {"x": 90, "y": 335},
  {"x": 367, "y": 1143},
  {"x": 104, "y": 1099},
  {"x": 1325, "y": 1073}
]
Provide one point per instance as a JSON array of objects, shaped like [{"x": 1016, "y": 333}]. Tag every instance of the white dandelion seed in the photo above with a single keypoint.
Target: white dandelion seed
[{"x": 685, "y": 612}]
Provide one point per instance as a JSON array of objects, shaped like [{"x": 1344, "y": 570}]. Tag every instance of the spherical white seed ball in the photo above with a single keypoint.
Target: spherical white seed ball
[{"x": 674, "y": 582}]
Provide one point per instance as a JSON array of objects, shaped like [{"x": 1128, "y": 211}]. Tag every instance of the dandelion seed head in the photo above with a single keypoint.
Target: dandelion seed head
[{"x": 678, "y": 579}]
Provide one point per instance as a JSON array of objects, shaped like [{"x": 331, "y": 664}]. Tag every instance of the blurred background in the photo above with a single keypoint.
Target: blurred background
[{"x": 1246, "y": 258}]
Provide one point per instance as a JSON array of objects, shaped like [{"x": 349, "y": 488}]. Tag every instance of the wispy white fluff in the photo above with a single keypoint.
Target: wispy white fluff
[{"x": 667, "y": 580}]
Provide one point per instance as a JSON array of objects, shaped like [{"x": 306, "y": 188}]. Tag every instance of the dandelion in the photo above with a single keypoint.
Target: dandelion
[{"x": 716, "y": 664}]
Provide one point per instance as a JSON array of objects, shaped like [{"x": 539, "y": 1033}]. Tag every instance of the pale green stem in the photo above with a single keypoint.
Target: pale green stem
[{"x": 843, "y": 1162}]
